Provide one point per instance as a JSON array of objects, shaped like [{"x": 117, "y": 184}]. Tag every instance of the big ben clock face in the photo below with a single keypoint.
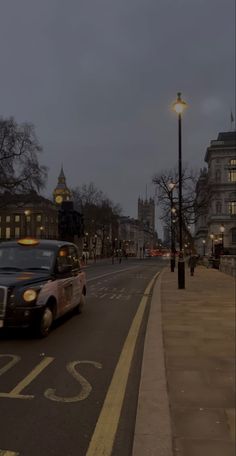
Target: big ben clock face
[{"x": 59, "y": 199}]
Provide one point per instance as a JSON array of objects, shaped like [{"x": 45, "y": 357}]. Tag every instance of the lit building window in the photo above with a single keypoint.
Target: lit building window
[
  {"x": 232, "y": 175},
  {"x": 17, "y": 218},
  {"x": 232, "y": 161},
  {"x": 8, "y": 218},
  {"x": 28, "y": 218},
  {"x": 232, "y": 207},
  {"x": 39, "y": 217},
  {"x": 17, "y": 232},
  {"x": 8, "y": 232}
]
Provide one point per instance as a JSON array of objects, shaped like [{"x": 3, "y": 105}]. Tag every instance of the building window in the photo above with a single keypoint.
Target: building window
[
  {"x": 8, "y": 232},
  {"x": 38, "y": 217},
  {"x": 17, "y": 232},
  {"x": 232, "y": 161},
  {"x": 17, "y": 217},
  {"x": 232, "y": 174},
  {"x": 8, "y": 218},
  {"x": 218, "y": 175},
  {"x": 232, "y": 207},
  {"x": 218, "y": 207},
  {"x": 28, "y": 218},
  {"x": 233, "y": 231}
]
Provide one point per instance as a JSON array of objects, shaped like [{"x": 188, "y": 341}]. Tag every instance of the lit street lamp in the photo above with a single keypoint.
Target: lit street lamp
[
  {"x": 179, "y": 107},
  {"x": 212, "y": 243},
  {"x": 222, "y": 230},
  {"x": 204, "y": 247}
]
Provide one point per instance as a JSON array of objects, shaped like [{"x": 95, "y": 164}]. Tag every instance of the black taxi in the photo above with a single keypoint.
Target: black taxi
[{"x": 40, "y": 280}]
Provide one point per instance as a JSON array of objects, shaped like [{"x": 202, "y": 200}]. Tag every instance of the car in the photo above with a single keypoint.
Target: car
[{"x": 40, "y": 280}]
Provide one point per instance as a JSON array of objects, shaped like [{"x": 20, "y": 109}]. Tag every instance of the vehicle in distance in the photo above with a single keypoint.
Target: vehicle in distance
[{"x": 40, "y": 280}]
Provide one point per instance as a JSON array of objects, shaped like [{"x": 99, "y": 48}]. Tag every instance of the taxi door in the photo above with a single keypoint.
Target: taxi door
[{"x": 69, "y": 284}]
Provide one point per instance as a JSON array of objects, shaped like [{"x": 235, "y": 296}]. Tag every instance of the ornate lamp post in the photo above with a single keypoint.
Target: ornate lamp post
[
  {"x": 179, "y": 107},
  {"x": 222, "y": 230},
  {"x": 212, "y": 243},
  {"x": 204, "y": 247},
  {"x": 172, "y": 213},
  {"x": 27, "y": 213}
]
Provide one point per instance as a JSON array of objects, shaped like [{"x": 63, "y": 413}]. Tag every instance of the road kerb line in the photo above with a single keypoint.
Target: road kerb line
[{"x": 105, "y": 431}]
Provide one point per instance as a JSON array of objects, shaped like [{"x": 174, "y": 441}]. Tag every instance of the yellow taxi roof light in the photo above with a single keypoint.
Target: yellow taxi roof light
[{"x": 28, "y": 241}]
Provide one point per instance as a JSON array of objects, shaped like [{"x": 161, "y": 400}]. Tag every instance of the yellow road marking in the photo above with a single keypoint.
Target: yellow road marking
[
  {"x": 8, "y": 453},
  {"x": 104, "y": 434},
  {"x": 15, "y": 393}
]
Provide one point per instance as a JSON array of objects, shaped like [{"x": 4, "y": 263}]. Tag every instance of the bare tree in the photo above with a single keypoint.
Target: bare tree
[
  {"x": 20, "y": 171},
  {"x": 98, "y": 210},
  {"x": 192, "y": 203}
]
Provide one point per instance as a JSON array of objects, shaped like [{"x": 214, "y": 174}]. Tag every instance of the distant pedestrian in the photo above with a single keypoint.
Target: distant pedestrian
[{"x": 192, "y": 262}]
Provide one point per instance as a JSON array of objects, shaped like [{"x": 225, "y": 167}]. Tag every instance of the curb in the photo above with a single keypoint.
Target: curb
[{"x": 152, "y": 435}]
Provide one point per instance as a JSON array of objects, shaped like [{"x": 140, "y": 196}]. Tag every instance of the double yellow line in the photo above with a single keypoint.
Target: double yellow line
[{"x": 105, "y": 431}]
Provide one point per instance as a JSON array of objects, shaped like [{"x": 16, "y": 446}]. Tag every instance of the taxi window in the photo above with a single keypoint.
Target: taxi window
[{"x": 74, "y": 257}]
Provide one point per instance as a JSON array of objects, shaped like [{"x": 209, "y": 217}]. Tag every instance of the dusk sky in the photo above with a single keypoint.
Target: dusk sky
[{"x": 97, "y": 79}]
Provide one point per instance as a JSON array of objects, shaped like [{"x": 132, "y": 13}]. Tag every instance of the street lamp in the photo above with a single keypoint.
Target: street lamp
[
  {"x": 222, "y": 230},
  {"x": 172, "y": 213},
  {"x": 179, "y": 107},
  {"x": 212, "y": 243},
  {"x": 27, "y": 213},
  {"x": 204, "y": 247},
  {"x": 41, "y": 231}
]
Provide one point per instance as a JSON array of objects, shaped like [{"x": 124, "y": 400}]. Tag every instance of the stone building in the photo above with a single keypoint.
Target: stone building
[
  {"x": 146, "y": 212},
  {"x": 215, "y": 230},
  {"x": 28, "y": 215}
]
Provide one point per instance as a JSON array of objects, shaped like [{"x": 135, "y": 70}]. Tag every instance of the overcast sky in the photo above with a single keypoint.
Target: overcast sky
[{"x": 97, "y": 79}]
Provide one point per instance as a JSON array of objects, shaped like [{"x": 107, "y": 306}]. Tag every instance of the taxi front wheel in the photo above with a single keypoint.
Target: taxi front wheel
[{"x": 45, "y": 322}]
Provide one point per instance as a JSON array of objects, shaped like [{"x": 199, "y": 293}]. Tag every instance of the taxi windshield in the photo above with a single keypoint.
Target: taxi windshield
[{"x": 25, "y": 258}]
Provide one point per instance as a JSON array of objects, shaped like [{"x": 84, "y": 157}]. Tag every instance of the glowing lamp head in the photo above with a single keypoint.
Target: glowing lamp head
[{"x": 179, "y": 105}]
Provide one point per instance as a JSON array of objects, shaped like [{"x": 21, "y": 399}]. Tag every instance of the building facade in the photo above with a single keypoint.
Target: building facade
[
  {"x": 215, "y": 230},
  {"x": 28, "y": 215}
]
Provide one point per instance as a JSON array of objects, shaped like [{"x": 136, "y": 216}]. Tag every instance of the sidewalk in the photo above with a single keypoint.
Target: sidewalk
[{"x": 186, "y": 398}]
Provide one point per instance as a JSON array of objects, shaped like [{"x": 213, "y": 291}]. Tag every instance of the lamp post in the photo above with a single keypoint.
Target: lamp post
[
  {"x": 27, "y": 213},
  {"x": 204, "y": 247},
  {"x": 95, "y": 248},
  {"x": 179, "y": 106},
  {"x": 222, "y": 230},
  {"x": 172, "y": 212},
  {"x": 212, "y": 243}
]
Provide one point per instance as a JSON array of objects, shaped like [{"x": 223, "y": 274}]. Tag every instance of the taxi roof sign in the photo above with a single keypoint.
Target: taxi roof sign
[{"x": 28, "y": 241}]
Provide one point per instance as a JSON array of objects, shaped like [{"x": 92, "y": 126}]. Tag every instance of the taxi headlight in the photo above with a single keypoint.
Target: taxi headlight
[{"x": 29, "y": 295}]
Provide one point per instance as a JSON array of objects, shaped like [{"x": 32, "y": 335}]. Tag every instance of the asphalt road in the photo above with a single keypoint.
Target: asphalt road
[{"x": 52, "y": 390}]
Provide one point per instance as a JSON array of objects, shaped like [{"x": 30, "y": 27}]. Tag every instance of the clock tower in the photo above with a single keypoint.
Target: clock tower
[{"x": 61, "y": 192}]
